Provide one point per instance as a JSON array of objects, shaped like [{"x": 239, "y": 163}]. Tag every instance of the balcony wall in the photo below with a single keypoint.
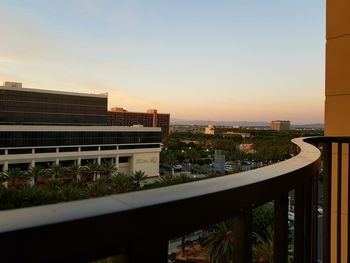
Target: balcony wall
[
  {"x": 141, "y": 223},
  {"x": 337, "y": 108}
]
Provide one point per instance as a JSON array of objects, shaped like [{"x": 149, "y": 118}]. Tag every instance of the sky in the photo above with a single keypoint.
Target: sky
[{"x": 227, "y": 60}]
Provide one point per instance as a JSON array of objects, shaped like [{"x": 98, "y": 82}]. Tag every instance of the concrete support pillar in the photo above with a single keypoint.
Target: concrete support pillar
[
  {"x": 132, "y": 164},
  {"x": 6, "y": 166},
  {"x": 57, "y": 162},
  {"x": 117, "y": 162},
  {"x": 32, "y": 164},
  {"x": 99, "y": 163},
  {"x": 79, "y": 161}
]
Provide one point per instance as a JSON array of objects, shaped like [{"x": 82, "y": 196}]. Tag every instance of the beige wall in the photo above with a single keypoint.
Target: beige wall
[
  {"x": 337, "y": 105},
  {"x": 337, "y": 113},
  {"x": 147, "y": 162}
]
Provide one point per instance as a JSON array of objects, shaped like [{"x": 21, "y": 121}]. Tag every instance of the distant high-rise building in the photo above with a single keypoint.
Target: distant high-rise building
[
  {"x": 280, "y": 125},
  {"x": 210, "y": 130},
  {"x": 151, "y": 118},
  {"x": 20, "y": 105},
  {"x": 47, "y": 107}
]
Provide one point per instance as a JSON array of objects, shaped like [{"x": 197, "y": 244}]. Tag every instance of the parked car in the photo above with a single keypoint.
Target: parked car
[{"x": 177, "y": 167}]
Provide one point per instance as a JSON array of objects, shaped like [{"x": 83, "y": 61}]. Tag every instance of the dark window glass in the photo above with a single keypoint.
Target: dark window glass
[
  {"x": 91, "y": 148},
  {"x": 19, "y": 151},
  {"x": 45, "y": 150},
  {"x": 123, "y": 159},
  {"x": 69, "y": 149},
  {"x": 139, "y": 146},
  {"x": 106, "y": 148},
  {"x": 37, "y": 139}
]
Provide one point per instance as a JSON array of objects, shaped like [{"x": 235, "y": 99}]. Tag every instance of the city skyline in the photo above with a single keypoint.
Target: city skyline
[{"x": 240, "y": 60}]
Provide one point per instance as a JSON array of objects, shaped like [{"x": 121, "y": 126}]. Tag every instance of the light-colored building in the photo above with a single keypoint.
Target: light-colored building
[
  {"x": 280, "y": 125},
  {"x": 130, "y": 148},
  {"x": 337, "y": 112},
  {"x": 210, "y": 130},
  {"x": 44, "y": 127},
  {"x": 187, "y": 128}
]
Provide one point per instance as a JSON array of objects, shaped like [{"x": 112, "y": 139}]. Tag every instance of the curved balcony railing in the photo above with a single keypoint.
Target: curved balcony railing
[{"x": 140, "y": 224}]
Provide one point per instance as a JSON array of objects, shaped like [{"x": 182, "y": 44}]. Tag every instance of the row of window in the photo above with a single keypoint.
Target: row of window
[
  {"x": 49, "y": 107},
  {"x": 50, "y": 118},
  {"x": 48, "y": 97},
  {"x": 75, "y": 149},
  {"x": 37, "y": 139}
]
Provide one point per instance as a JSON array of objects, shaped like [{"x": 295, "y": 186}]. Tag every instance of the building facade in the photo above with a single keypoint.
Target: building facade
[
  {"x": 337, "y": 112},
  {"x": 130, "y": 148},
  {"x": 151, "y": 118},
  {"x": 43, "y": 127},
  {"x": 46, "y": 107},
  {"x": 279, "y": 125}
]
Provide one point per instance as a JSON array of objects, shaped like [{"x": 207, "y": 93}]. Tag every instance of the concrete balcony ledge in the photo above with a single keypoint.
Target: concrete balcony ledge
[{"x": 95, "y": 228}]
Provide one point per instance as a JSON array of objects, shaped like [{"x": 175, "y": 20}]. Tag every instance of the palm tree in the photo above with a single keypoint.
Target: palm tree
[
  {"x": 138, "y": 177},
  {"x": 219, "y": 242},
  {"x": 75, "y": 171},
  {"x": 96, "y": 189},
  {"x": 93, "y": 170},
  {"x": 183, "y": 178},
  {"x": 56, "y": 171},
  {"x": 69, "y": 192},
  {"x": 35, "y": 172},
  {"x": 108, "y": 169},
  {"x": 166, "y": 180},
  {"x": 263, "y": 250},
  {"x": 15, "y": 174},
  {"x": 3, "y": 177},
  {"x": 121, "y": 183}
]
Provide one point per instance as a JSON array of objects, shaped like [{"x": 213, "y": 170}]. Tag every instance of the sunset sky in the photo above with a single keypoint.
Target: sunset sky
[{"x": 225, "y": 60}]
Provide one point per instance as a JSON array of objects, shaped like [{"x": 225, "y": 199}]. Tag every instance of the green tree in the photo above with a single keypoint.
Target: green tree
[
  {"x": 192, "y": 154},
  {"x": 34, "y": 195},
  {"x": 263, "y": 248},
  {"x": 96, "y": 189},
  {"x": 93, "y": 170},
  {"x": 137, "y": 178},
  {"x": 168, "y": 158},
  {"x": 182, "y": 178},
  {"x": 75, "y": 171},
  {"x": 121, "y": 183},
  {"x": 108, "y": 169},
  {"x": 14, "y": 175},
  {"x": 166, "y": 180},
  {"x": 3, "y": 177},
  {"x": 70, "y": 192},
  {"x": 35, "y": 172},
  {"x": 219, "y": 242},
  {"x": 262, "y": 220},
  {"x": 56, "y": 171}
]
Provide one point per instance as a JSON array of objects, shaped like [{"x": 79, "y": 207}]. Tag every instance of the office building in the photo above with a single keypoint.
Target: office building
[
  {"x": 43, "y": 127},
  {"x": 20, "y": 105},
  {"x": 279, "y": 125},
  {"x": 130, "y": 148},
  {"x": 121, "y": 117}
]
